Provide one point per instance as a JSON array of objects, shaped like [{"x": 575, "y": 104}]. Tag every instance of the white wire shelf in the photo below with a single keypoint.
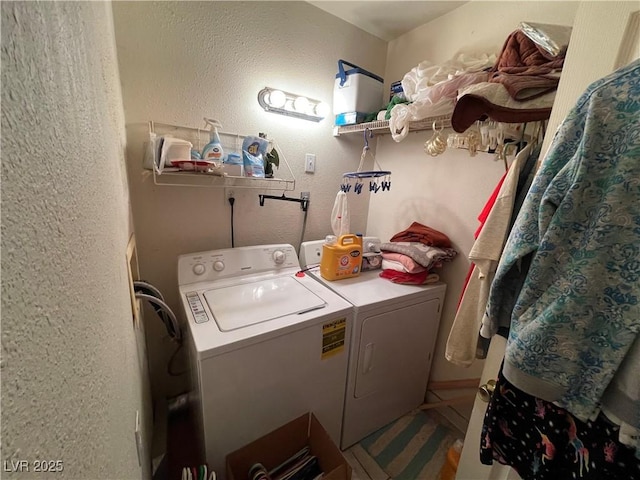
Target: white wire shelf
[
  {"x": 231, "y": 142},
  {"x": 381, "y": 127},
  {"x": 195, "y": 179}
]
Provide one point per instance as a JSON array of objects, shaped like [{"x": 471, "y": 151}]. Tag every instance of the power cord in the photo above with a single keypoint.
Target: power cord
[
  {"x": 170, "y": 368},
  {"x": 231, "y": 202}
]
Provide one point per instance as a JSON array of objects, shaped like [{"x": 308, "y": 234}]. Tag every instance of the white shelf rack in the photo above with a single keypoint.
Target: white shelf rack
[
  {"x": 381, "y": 127},
  {"x": 231, "y": 142}
]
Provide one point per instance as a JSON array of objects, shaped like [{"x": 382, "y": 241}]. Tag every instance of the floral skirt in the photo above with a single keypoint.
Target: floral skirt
[{"x": 544, "y": 442}]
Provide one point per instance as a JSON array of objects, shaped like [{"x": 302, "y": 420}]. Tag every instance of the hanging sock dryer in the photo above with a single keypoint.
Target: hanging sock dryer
[{"x": 378, "y": 179}]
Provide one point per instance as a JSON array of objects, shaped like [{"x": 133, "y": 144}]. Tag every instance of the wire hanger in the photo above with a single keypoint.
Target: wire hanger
[{"x": 379, "y": 179}]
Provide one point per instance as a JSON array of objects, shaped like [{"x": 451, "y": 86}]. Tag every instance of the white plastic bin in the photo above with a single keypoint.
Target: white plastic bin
[{"x": 356, "y": 90}]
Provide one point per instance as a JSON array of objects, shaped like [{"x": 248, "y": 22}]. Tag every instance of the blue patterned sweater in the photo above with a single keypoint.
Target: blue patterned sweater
[{"x": 578, "y": 309}]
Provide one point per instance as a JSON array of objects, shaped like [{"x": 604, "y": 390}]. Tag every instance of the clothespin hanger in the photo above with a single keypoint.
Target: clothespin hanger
[{"x": 356, "y": 178}]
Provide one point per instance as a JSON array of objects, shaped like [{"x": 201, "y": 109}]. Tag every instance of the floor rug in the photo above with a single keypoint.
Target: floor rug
[{"x": 414, "y": 447}]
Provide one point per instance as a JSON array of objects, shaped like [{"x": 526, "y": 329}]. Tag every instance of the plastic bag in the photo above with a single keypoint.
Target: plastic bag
[
  {"x": 152, "y": 153},
  {"x": 552, "y": 38},
  {"x": 253, "y": 151}
]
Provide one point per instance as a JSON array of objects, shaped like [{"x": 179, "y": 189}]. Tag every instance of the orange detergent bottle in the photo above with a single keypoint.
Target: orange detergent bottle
[
  {"x": 450, "y": 466},
  {"x": 341, "y": 258}
]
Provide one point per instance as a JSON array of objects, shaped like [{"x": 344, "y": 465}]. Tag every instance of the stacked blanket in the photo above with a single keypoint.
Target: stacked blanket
[{"x": 412, "y": 255}]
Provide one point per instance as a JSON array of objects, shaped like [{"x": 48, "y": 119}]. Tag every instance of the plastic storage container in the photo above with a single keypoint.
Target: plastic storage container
[
  {"x": 341, "y": 258},
  {"x": 174, "y": 149},
  {"x": 356, "y": 90}
]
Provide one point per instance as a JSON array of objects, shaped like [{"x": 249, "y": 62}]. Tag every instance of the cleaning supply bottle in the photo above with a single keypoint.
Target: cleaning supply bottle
[
  {"x": 212, "y": 151},
  {"x": 341, "y": 258},
  {"x": 450, "y": 466}
]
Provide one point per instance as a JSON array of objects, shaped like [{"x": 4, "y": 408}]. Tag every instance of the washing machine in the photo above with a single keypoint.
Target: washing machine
[
  {"x": 392, "y": 343},
  {"x": 266, "y": 344}
]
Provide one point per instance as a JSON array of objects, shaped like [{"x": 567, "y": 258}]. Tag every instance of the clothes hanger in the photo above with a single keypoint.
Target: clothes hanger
[{"x": 437, "y": 144}]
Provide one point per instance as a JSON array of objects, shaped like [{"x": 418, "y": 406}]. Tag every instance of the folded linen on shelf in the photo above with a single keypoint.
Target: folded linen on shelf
[
  {"x": 425, "y": 255},
  {"x": 526, "y": 69},
  {"x": 422, "y": 278},
  {"x": 400, "y": 262},
  {"x": 418, "y": 232}
]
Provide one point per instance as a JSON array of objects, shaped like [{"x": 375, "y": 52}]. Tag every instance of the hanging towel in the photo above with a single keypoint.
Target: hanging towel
[{"x": 340, "y": 215}]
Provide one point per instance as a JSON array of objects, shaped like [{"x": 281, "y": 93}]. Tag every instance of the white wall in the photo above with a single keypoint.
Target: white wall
[
  {"x": 448, "y": 192},
  {"x": 71, "y": 378},
  {"x": 182, "y": 61},
  {"x": 590, "y": 56}
]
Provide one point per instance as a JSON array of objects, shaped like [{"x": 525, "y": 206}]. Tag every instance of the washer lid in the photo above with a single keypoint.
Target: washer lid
[{"x": 241, "y": 305}]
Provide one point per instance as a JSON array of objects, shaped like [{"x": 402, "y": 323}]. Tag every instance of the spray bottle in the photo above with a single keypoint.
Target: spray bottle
[{"x": 212, "y": 151}]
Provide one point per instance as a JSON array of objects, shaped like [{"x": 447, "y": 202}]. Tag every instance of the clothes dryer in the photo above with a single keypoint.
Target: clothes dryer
[
  {"x": 266, "y": 345},
  {"x": 394, "y": 333}
]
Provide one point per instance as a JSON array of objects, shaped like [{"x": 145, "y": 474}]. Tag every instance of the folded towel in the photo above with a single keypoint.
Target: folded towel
[
  {"x": 406, "y": 263},
  {"x": 393, "y": 265},
  {"x": 410, "y": 278},
  {"x": 525, "y": 68},
  {"x": 423, "y": 234},
  {"x": 427, "y": 256}
]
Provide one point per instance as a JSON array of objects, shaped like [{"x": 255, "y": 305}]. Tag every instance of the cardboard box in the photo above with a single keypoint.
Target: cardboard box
[{"x": 276, "y": 447}]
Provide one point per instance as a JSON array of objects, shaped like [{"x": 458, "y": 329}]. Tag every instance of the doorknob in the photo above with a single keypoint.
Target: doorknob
[{"x": 485, "y": 391}]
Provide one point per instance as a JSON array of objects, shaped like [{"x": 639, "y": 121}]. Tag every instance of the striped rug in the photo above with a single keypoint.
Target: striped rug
[{"x": 414, "y": 447}]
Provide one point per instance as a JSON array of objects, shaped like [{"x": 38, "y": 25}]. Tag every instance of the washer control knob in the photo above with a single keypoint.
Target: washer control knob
[
  {"x": 199, "y": 269},
  {"x": 278, "y": 257},
  {"x": 218, "y": 266}
]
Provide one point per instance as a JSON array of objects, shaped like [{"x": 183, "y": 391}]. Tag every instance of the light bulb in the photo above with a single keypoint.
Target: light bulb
[
  {"x": 301, "y": 104},
  {"x": 322, "y": 109},
  {"x": 277, "y": 98},
  {"x": 288, "y": 105}
]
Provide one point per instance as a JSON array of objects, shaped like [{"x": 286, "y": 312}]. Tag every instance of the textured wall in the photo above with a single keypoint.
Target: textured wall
[
  {"x": 182, "y": 61},
  {"x": 448, "y": 192},
  {"x": 71, "y": 379}
]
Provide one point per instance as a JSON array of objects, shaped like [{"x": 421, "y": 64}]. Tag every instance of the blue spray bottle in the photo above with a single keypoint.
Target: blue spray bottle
[{"x": 212, "y": 151}]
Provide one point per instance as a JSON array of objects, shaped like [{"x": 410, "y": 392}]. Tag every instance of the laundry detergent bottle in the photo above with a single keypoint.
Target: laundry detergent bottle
[
  {"x": 341, "y": 258},
  {"x": 212, "y": 151}
]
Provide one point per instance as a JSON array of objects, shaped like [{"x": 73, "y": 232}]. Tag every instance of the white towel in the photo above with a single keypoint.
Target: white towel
[{"x": 340, "y": 215}]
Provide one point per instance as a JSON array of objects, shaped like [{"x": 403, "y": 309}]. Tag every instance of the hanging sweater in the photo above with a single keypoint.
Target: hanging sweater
[{"x": 578, "y": 310}]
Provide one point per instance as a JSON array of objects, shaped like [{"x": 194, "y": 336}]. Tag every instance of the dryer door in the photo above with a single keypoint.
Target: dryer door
[{"x": 394, "y": 354}]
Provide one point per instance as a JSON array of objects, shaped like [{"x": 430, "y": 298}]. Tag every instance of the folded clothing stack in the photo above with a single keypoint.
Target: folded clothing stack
[{"x": 412, "y": 254}]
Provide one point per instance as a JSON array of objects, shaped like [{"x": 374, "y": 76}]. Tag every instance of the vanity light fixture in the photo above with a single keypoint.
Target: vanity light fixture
[{"x": 285, "y": 103}]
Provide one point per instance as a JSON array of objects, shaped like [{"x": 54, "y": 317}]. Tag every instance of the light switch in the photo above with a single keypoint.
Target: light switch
[{"x": 309, "y": 163}]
